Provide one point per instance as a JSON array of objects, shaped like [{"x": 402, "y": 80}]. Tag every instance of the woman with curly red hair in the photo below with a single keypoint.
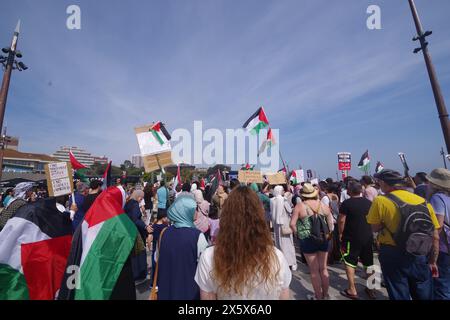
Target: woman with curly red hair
[{"x": 243, "y": 264}]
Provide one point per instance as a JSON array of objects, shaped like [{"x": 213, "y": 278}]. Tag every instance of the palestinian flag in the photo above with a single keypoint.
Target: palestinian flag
[
  {"x": 379, "y": 167},
  {"x": 160, "y": 133},
  {"x": 283, "y": 170},
  {"x": 270, "y": 138},
  {"x": 78, "y": 168},
  {"x": 269, "y": 142},
  {"x": 107, "y": 177},
  {"x": 215, "y": 182},
  {"x": 294, "y": 178},
  {"x": 297, "y": 177},
  {"x": 76, "y": 165},
  {"x": 248, "y": 167},
  {"x": 100, "y": 248},
  {"x": 34, "y": 246},
  {"x": 202, "y": 184},
  {"x": 177, "y": 179},
  {"x": 256, "y": 122},
  {"x": 364, "y": 163}
]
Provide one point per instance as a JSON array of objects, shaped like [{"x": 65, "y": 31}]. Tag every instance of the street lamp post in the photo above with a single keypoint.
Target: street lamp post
[
  {"x": 9, "y": 63},
  {"x": 438, "y": 97}
]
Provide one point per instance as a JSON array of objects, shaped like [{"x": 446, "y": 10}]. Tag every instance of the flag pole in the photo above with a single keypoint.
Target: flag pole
[
  {"x": 284, "y": 164},
  {"x": 73, "y": 191},
  {"x": 161, "y": 168}
]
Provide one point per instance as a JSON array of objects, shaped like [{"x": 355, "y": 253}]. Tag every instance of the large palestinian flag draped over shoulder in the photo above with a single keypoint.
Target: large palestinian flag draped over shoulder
[
  {"x": 256, "y": 122},
  {"x": 100, "y": 248},
  {"x": 34, "y": 246},
  {"x": 364, "y": 162}
]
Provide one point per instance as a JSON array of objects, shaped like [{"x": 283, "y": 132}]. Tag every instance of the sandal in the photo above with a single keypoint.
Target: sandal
[
  {"x": 348, "y": 295},
  {"x": 371, "y": 293}
]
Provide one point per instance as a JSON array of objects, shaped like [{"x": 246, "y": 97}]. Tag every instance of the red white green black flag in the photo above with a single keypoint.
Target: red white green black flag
[{"x": 256, "y": 122}]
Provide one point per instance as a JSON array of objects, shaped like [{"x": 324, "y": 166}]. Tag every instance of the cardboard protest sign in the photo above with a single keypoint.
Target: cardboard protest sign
[
  {"x": 250, "y": 176},
  {"x": 276, "y": 178},
  {"x": 59, "y": 178},
  {"x": 154, "y": 144},
  {"x": 153, "y": 162}
]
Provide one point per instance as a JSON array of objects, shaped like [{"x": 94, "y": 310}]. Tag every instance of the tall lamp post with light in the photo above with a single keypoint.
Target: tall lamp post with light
[
  {"x": 9, "y": 62},
  {"x": 438, "y": 97}
]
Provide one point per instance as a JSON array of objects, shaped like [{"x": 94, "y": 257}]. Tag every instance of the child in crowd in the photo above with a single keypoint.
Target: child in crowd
[{"x": 157, "y": 226}]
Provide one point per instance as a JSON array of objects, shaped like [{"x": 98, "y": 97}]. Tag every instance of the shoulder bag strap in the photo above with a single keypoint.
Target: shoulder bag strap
[
  {"x": 155, "y": 278},
  {"x": 395, "y": 199}
]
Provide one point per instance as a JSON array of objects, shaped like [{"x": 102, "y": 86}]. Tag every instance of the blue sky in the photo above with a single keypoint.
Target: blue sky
[{"x": 326, "y": 81}]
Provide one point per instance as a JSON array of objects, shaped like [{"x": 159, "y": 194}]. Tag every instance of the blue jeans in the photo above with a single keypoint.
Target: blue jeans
[
  {"x": 406, "y": 276},
  {"x": 442, "y": 284}
]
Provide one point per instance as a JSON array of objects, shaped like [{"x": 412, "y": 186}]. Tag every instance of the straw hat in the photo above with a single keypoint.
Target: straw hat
[
  {"x": 440, "y": 177},
  {"x": 308, "y": 191}
]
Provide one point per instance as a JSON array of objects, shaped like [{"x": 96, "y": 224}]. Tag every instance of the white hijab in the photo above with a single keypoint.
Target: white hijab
[{"x": 279, "y": 206}]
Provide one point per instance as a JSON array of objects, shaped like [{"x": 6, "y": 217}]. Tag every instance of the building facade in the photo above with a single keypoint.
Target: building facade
[
  {"x": 80, "y": 154},
  {"x": 137, "y": 161},
  {"x": 15, "y": 161},
  {"x": 101, "y": 160}
]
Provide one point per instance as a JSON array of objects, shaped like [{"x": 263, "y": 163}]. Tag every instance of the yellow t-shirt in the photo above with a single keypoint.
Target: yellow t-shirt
[{"x": 386, "y": 212}]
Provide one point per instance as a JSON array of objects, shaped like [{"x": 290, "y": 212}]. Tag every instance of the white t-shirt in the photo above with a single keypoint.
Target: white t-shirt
[
  {"x": 326, "y": 201},
  {"x": 259, "y": 292},
  {"x": 344, "y": 195}
]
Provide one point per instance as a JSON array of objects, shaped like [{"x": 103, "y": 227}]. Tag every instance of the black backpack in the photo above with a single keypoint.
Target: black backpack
[
  {"x": 319, "y": 227},
  {"x": 415, "y": 232}
]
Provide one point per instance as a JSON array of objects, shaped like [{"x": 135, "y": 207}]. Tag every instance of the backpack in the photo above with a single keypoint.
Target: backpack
[
  {"x": 446, "y": 227},
  {"x": 415, "y": 232},
  {"x": 319, "y": 231}
]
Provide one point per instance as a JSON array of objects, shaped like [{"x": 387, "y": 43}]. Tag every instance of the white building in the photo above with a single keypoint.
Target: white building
[
  {"x": 137, "y": 161},
  {"x": 80, "y": 154}
]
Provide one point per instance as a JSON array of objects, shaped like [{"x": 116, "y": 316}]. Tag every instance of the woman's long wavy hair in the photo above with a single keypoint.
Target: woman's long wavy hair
[{"x": 244, "y": 251}]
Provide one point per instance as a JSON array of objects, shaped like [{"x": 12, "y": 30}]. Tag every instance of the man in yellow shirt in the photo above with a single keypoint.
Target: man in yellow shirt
[{"x": 406, "y": 276}]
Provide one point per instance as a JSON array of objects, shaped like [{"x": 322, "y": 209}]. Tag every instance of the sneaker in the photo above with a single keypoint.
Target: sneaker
[
  {"x": 327, "y": 297},
  {"x": 311, "y": 297}
]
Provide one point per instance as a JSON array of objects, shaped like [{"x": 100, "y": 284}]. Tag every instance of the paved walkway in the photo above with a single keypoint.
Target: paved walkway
[{"x": 301, "y": 284}]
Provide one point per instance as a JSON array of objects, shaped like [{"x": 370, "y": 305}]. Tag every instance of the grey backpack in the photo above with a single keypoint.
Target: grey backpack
[{"x": 415, "y": 232}]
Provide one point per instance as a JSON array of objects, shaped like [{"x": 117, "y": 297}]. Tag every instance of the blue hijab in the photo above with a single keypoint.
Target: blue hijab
[{"x": 182, "y": 212}]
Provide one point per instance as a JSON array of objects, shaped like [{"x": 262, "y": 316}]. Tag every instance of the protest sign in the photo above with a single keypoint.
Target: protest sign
[
  {"x": 59, "y": 178},
  {"x": 248, "y": 176},
  {"x": 154, "y": 146},
  {"x": 344, "y": 161},
  {"x": 276, "y": 178}
]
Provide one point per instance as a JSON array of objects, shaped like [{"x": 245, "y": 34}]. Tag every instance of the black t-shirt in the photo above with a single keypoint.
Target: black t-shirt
[{"x": 356, "y": 227}]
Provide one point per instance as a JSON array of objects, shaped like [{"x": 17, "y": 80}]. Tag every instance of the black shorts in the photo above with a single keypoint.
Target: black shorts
[{"x": 354, "y": 251}]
